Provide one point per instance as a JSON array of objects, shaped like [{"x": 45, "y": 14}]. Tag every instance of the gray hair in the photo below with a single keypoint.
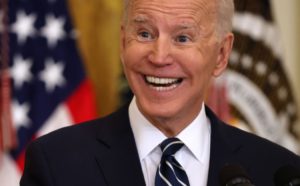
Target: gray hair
[{"x": 224, "y": 15}]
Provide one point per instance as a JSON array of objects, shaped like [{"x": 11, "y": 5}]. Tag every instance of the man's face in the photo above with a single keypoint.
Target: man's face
[{"x": 170, "y": 51}]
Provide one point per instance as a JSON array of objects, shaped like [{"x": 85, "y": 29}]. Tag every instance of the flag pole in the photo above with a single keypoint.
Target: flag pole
[{"x": 7, "y": 132}]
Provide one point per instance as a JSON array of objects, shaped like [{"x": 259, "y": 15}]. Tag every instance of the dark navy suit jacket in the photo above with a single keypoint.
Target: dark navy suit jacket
[{"x": 103, "y": 152}]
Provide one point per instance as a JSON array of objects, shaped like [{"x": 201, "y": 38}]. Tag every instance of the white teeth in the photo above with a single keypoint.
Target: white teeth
[
  {"x": 161, "y": 81},
  {"x": 160, "y": 89},
  {"x": 162, "y": 84}
]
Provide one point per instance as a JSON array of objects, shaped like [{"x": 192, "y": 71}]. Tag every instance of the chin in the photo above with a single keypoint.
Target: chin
[{"x": 159, "y": 109}]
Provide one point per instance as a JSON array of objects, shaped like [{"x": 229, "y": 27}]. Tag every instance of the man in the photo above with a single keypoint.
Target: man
[{"x": 169, "y": 50}]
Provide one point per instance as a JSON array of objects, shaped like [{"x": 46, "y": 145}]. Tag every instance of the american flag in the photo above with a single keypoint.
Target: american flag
[{"x": 47, "y": 82}]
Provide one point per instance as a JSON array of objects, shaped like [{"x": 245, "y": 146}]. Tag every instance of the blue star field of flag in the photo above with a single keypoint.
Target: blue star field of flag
[{"x": 45, "y": 66}]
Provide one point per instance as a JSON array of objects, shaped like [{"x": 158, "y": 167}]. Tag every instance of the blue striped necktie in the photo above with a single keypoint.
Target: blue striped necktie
[{"x": 170, "y": 172}]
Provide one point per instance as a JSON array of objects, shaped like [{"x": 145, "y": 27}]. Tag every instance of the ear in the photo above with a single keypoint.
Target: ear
[
  {"x": 122, "y": 42},
  {"x": 224, "y": 53}
]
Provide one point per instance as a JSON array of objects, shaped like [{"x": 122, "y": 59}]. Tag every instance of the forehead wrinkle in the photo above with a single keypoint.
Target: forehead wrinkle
[
  {"x": 165, "y": 7},
  {"x": 182, "y": 14},
  {"x": 194, "y": 10},
  {"x": 161, "y": 6}
]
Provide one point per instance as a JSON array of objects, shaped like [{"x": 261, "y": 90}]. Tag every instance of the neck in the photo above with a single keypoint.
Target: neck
[{"x": 171, "y": 127}]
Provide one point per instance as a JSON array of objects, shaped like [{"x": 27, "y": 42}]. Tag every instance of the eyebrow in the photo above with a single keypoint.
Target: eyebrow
[
  {"x": 143, "y": 19},
  {"x": 185, "y": 25},
  {"x": 140, "y": 19}
]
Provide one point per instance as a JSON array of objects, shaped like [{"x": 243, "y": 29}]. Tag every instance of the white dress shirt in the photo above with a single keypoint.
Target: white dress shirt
[{"x": 194, "y": 156}]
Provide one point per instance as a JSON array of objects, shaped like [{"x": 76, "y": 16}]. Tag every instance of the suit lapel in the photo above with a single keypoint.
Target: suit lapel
[
  {"x": 223, "y": 148},
  {"x": 118, "y": 158},
  {"x": 117, "y": 155}
]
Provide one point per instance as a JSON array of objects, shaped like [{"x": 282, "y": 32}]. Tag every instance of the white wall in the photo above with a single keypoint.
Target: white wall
[{"x": 287, "y": 15}]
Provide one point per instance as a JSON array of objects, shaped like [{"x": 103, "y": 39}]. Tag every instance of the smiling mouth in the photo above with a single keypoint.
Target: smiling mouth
[{"x": 163, "y": 84}]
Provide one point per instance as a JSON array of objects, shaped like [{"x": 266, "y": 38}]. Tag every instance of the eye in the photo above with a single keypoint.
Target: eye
[
  {"x": 144, "y": 35},
  {"x": 182, "y": 39}
]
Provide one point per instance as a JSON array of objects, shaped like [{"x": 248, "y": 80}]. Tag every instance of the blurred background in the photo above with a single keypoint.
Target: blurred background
[{"x": 60, "y": 66}]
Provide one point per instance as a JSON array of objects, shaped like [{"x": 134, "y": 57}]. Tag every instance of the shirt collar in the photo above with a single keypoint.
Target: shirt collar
[
  {"x": 196, "y": 136},
  {"x": 148, "y": 137}
]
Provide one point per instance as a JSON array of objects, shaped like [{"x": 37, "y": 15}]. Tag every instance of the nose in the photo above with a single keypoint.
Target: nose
[{"x": 160, "y": 54}]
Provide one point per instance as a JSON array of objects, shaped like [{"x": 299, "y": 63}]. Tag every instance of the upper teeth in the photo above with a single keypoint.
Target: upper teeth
[{"x": 163, "y": 81}]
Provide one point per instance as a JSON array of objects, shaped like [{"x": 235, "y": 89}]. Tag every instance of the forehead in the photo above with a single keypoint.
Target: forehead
[{"x": 195, "y": 9}]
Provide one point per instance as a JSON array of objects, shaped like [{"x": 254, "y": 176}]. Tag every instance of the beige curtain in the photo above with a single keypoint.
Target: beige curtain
[{"x": 97, "y": 22}]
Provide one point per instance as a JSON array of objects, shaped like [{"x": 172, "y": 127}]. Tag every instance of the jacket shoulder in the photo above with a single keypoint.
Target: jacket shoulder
[
  {"x": 85, "y": 131},
  {"x": 249, "y": 145}
]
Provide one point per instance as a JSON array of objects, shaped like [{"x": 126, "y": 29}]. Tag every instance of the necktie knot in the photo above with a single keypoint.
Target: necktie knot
[
  {"x": 170, "y": 146},
  {"x": 170, "y": 172}
]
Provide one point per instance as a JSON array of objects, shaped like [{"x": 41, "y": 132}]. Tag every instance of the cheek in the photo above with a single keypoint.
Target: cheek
[
  {"x": 207, "y": 59},
  {"x": 134, "y": 52},
  {"x": 199, "y": 66},
  {"x": 133, "y": 62},
  {"x": 130, "y": 59},
  {"x": 195, "y": 63}
]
